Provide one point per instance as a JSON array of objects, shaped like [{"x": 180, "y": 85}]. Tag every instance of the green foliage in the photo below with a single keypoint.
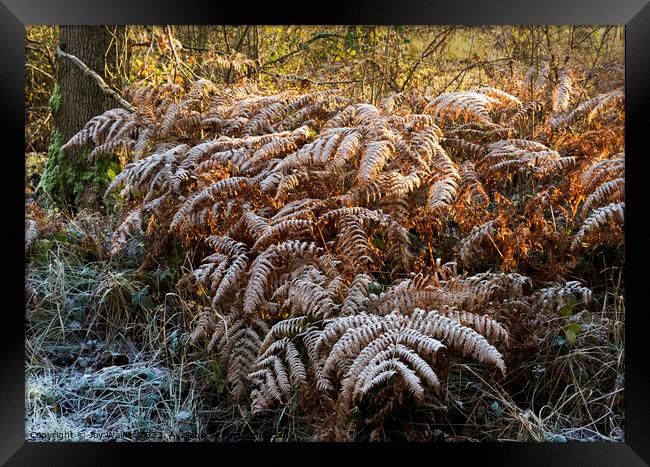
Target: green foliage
[
  {"x": 53, "y": 179},
  {"x": 571, "y": 332},
  {"x": 34, "y": 166},
  {"x": 567, "y": 310},
  {"x": 378, "y": 241},
  {"x": 55, "y": 100},
  {"x": 375, "y": 288},
  {"x": 142, "y": 298}
]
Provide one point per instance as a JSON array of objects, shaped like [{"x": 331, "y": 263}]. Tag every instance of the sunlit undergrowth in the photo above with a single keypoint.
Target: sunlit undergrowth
[
  {"x": 136, "y": 376},
  {"x": 304, "y": 266}
]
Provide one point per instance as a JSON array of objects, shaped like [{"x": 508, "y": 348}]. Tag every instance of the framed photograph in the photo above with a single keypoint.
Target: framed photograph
[{"x": 391, "y": 227}]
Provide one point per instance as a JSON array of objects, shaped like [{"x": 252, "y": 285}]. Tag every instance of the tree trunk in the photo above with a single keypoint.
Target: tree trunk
[
  {"x": 70, "y": 179},
  {"x": 81, "y": 97}
]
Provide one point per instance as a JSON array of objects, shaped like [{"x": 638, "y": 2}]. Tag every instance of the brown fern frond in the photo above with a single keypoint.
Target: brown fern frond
[
  {"x": 31, "y": 232},
  {"x": 528, "y": 109},
  {"x": 609, "y": 192},
  {"x": 277, "y": 370},
  {"x": 280, "y": 232},
  {"x": 211, "y": 271},
  {"x": 472, "y": 185},
  {"x": 266, "y": 263},
  {"x": 363, "y": 351},
  {"x": 464, "y": 147},
  {"x": 471, "y": 245},
  {"x": 542, "y": 78},
  {"x": 356, "y": 299},
  {"x": 238, "y": 339},
  {"x": 524, "y": 156},
  {"x": 484, "y": 325},
  {"x": 373, "y": 159},
  {"x": 470, "y": 105},
  {"x": 615, "y": 98},
  {"x": 613, "y": 213},
  {"x": 603, "y": 170},
  {"x": 133, "y": 222},
  {"x": 347, "y": 150},
  {"x": 592, "y": 108},
  {"x": 557, "y": 296},
  {"x": 227, "y": 187},
  {"x": 353, "y": 244},
  {"x": 562, "y": 94},
  {"x": 237, "y": 264},
  {"x": 442, "y": 194},
  {"x": 507, "y": 99}
]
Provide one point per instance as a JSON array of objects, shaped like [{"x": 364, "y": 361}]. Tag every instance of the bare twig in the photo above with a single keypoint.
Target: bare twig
[
  {"x": 98, "y": 79},
  {"x": 173, "y": 47},
  {"x": 469, "y": 67},
  {"x": 39, "y": 70},
  {"x": 292, "y": 77},
  {"x": 303, "y": 46}
]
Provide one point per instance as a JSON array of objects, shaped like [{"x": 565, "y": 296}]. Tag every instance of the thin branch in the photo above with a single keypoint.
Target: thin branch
[
  {"x": 303, "y": 46},
  {"x": 180, "y": 64},
  {"x": 98, "y": 79},
  {"x": 38, "y": 69},
  {"x": 467, "y": 68},
  {"x": 173, "y": 47},
  {"x": 46, "y": 53},
  {"x": 291, "y": 77}
]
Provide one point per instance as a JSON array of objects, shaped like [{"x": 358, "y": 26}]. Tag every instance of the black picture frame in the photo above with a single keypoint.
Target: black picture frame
[{"x": 634, "y": 14}]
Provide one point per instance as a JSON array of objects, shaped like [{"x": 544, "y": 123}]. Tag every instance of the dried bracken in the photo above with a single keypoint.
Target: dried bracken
[
  {"x": 311, "y": 223},
  {"x": 611, "y": 214},
  {"x": 563, "y": 91}
]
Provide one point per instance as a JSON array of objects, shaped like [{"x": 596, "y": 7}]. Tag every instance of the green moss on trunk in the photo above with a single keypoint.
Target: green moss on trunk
[
  {"x": 55, "y": 100},
  {"x": 77, "y": 181}
]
